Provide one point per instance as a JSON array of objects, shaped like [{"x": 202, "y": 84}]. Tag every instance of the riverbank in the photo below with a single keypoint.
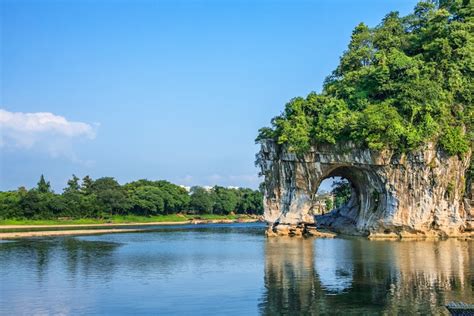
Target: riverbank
[
  {"x": 10, "y": 229},
  {"x": 122, "y": 219}
]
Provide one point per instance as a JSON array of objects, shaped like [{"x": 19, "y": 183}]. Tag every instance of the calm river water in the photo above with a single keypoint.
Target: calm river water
[{"x": 231, "y": 270}]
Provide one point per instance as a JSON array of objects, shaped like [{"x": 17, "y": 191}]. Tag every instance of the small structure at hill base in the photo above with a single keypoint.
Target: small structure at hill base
[{"x": 419, "y": 194}]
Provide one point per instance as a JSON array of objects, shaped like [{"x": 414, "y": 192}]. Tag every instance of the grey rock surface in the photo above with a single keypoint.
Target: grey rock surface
[{"x": 420, "y": 193}]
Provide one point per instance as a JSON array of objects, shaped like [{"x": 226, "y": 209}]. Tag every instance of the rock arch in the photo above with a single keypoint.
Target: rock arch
[{"x": 397, "y": 195}]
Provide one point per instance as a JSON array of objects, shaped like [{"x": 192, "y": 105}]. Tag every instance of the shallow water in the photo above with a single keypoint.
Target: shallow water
[{"x": 234, "y": 270}]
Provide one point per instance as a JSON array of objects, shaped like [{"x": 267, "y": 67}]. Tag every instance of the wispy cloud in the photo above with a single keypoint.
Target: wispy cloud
[
  {"x": 246, "y": 178},
  {"x": 242, "y": 180},
  {"x": 186, "y": 180},
  {"x": 44, "y": 131}
]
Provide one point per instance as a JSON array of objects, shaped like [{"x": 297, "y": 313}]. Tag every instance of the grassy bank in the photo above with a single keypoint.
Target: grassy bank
[{"x": 122, "y": 219}]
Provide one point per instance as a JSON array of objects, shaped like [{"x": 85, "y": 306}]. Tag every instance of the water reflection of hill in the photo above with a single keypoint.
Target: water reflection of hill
[{"x": 371, "y": 277}]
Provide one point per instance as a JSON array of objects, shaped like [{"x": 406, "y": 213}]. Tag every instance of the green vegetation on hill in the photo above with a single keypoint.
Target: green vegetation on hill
[
  {"x": 403, "y": 83},
  {"x": 106, "y": 199}
]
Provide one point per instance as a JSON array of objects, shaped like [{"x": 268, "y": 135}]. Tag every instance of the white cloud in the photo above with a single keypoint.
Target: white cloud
[
  {"x": 186, "y": 180},
  {"x": 215, "y": 178},
  {"x": 246, "y": 178},
  {"x": 42, "y": 130},
  {"x": 242, "y": 180}
]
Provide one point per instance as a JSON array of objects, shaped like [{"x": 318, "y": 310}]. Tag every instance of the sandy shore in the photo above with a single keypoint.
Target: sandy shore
[
  {"x": 79, "y": 226},
  {"x": 14, "y": 235},
  {"x": 86, "y": 229}
]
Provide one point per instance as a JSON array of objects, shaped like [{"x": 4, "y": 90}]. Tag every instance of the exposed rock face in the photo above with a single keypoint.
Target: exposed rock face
[{"x": 404, "y": 195}]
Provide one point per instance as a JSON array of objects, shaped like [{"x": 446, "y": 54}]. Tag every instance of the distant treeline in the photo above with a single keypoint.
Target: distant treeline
[{"x": 105, "y": 197}]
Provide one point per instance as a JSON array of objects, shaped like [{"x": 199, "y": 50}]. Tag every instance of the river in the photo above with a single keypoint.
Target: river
[{"x": 231, "y": 269}]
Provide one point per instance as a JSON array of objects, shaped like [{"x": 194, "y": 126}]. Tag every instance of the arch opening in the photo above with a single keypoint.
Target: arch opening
[
  {"x": 358, "y": 199},
  {"x": 333, "y": 192}
]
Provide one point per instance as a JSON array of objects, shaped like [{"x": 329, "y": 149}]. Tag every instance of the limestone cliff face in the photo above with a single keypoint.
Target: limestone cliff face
[{"x": 421, "y": 193}]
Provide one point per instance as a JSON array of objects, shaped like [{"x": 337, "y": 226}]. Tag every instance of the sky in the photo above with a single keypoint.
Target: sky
[{"x": 173, "y": 90}]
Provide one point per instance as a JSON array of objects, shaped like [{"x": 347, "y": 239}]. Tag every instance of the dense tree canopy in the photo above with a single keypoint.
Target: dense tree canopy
[
  {"x": 401, "y": 84},
  {"x": 104, "y": 197},
  {"x": 201, "y": 200}
]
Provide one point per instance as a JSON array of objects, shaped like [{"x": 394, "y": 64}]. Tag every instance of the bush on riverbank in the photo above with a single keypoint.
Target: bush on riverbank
[{"x": 106, "y": 199}]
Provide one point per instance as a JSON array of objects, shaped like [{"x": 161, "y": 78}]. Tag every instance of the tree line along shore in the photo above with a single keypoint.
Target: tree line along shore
[{"x": 105, "y": 201}]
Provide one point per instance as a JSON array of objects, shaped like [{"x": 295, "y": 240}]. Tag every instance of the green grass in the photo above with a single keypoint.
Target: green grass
[
  {"x": 50, "y": 221},
  {"x": 145, "y": 219},
  {"x": 116, "y": 219},
  {"x": 120, "y": 219}
]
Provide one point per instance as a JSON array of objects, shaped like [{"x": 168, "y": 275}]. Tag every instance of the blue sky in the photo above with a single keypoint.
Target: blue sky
[{"x": 171, "y": 90}]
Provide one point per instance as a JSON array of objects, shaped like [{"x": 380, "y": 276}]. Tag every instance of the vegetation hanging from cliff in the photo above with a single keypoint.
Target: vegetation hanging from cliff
[{"x": 401, "y": 84}]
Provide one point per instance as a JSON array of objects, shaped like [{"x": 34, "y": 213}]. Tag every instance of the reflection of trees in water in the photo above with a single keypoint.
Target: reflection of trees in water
[
  {"x": 90, "y": 258},
  {"x": 94, "y": 257},
  {"x": 14, "y": 254},
  {"x": 360, "y": 276},
  {"x": 146, "y": 256}
]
